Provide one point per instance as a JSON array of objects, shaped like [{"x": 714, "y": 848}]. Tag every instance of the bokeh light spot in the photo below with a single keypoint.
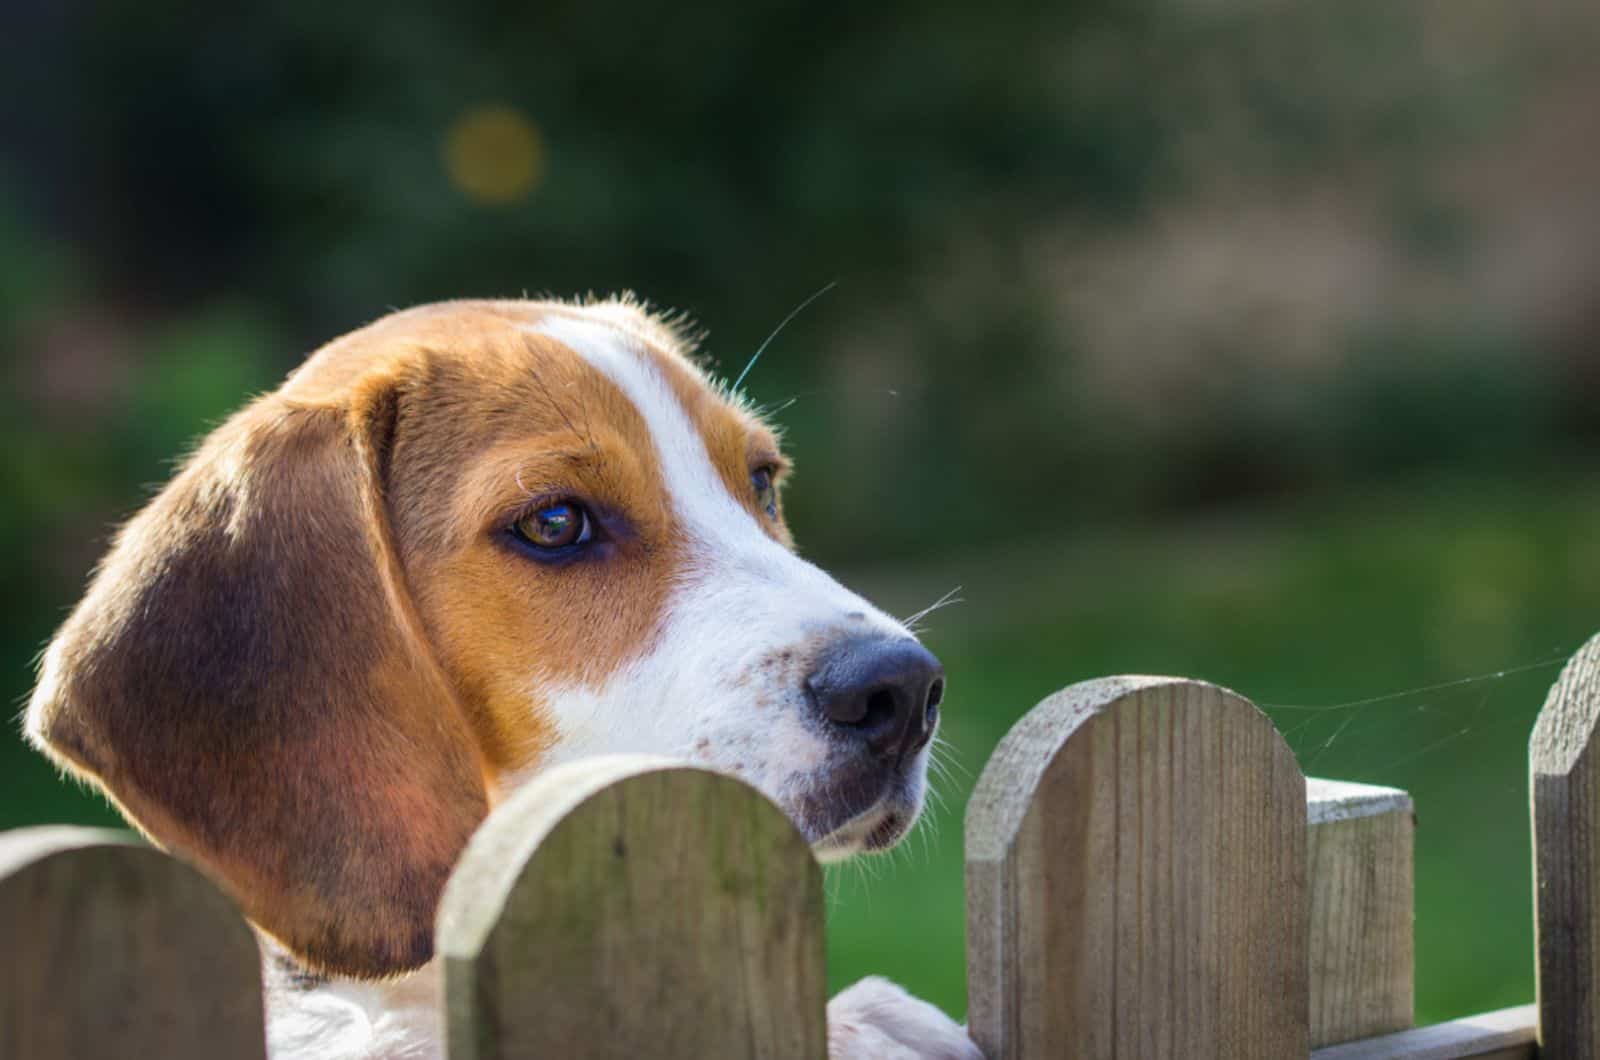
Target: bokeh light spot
[{"x": 494, "y": 154}]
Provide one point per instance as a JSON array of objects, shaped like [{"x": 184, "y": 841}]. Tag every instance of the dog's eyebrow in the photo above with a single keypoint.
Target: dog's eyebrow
[
  {"x": 504, "y": 479},
  {"x": 761, "y": 443},
  {"x": 578, "y": 454},
  {"x": 528, "y": 471}
]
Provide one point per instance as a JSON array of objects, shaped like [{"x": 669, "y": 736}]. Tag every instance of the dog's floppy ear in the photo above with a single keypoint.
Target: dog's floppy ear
[{"x": 247, "y": 679}]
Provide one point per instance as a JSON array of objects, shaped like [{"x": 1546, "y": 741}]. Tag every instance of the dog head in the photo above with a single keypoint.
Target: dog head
[{"x": 455, "y": 547}]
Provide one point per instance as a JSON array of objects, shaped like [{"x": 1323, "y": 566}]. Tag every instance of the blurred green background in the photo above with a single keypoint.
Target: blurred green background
[{"x": 1239, "y": 339}]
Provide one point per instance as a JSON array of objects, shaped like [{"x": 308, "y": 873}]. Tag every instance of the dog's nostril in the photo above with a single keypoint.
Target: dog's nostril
[
  {"x": 923, "y": 736},
  {"x": 880, "y": 709},
  {"x": 930, "y": 713}
]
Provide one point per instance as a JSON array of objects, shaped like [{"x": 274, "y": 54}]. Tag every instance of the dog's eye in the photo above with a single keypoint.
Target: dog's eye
[
  {"x": 555, "y": 526},
  {"x": 766, "y": 491}
]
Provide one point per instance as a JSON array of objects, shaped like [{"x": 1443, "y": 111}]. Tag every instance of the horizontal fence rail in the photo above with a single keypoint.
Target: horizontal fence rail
[
  {"x": 1509, "y": 1034},
  {"x": 1149, "y": 875}
]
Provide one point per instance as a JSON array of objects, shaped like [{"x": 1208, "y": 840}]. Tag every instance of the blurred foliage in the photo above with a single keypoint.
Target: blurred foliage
[
  {"x": 1236, "y": 338},
  {"x": 313, "y": 165}
]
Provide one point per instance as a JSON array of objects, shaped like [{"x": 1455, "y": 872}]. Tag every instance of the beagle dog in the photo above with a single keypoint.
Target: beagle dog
[{"x": 455, "y": 547}]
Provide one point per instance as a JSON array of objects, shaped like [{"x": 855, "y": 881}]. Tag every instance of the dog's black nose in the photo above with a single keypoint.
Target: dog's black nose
[{"x": 886, "y": 690}]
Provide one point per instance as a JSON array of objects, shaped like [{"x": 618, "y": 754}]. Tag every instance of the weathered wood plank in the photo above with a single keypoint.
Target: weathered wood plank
[
  {"x": 1504, "y": 1035},
  {"x": 111, "y": 948},
  {"x": 1564, "y": 775},
  {"x": 1136, "y": 880},
  {"x": 1360, "y": 876},
  {"x": 627, "y": 907}
]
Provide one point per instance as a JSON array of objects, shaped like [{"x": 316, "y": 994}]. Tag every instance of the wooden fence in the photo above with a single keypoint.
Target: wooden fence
[{"x": 1148, "y": 875}]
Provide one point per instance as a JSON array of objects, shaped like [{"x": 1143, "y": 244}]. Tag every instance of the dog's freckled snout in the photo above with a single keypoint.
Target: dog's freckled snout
[{"x": 885, "y": 691}]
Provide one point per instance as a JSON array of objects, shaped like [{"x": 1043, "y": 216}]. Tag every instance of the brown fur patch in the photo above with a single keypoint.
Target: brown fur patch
[
  {"x": 239, "y": 681},
  {"x": 307, "y": 661}
]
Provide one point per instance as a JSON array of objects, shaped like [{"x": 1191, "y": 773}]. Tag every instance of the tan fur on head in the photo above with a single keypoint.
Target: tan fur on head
[
  {"x": 290, "y": 667},
  {"x": 314, "y": 660}
]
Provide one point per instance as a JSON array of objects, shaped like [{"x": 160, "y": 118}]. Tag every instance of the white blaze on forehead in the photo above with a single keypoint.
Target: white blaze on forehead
[{"x": 698, "y": 493}]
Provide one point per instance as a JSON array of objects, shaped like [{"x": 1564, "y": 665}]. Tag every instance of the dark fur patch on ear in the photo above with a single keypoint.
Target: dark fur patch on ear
[
  {"x": 376, "y": 418},
  {"x": 245, "y": 679}
]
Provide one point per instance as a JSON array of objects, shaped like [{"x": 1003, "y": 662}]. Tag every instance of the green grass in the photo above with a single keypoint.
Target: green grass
[{"x": 1326, "y": 603}]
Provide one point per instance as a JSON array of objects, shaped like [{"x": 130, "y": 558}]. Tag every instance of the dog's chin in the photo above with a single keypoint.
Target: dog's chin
[
  {"x": 871, "y": 833},
  {"x": 861, "y": 813}
]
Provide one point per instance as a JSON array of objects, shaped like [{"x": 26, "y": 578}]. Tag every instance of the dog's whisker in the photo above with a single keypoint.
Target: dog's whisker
[
  {"x": 869, "y": 874},
  {"x": 930, "y": 837},
  {"x": 955, "y": 769},
  {"x": 948, "y": 757},
  {"x": 775, "y": 407},
  {"x": 929, "y": 822},
  {"x": 830, "y": 285},
  {"x": 765, "y": 411},
  {"x": 928, "y": 829},
  {"x": 947, "y": 600}
]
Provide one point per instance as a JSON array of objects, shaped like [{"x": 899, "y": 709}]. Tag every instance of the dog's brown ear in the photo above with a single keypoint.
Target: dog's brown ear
[{"x": 246, "y": 678}]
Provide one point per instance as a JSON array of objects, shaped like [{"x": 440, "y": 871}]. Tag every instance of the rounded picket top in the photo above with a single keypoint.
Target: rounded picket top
[
  {"x": 1564, "y": 780},
  {"x": 1136, "y": 880},
  {"x": 1565, "y": 729},
  {"x": 631, "y": 906},
  {"x": 113, "y": 948}
]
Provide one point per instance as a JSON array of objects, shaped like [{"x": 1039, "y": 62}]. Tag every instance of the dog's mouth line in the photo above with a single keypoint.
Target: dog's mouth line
[{"x": 875, "y": 829}]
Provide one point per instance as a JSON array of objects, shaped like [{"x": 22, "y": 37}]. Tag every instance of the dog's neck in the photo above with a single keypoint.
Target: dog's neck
[{"x": 315, "y": 1017}]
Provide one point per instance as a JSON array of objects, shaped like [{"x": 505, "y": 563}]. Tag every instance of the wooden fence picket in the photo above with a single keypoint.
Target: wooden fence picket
[
  {"x": 1136, "y": 880},
  {"x": 1564, "y": 778},
  {"x": 111, "y": 948},
  {"x": 1360, "y": 873},
  {"x": 627, "y": 907}
]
